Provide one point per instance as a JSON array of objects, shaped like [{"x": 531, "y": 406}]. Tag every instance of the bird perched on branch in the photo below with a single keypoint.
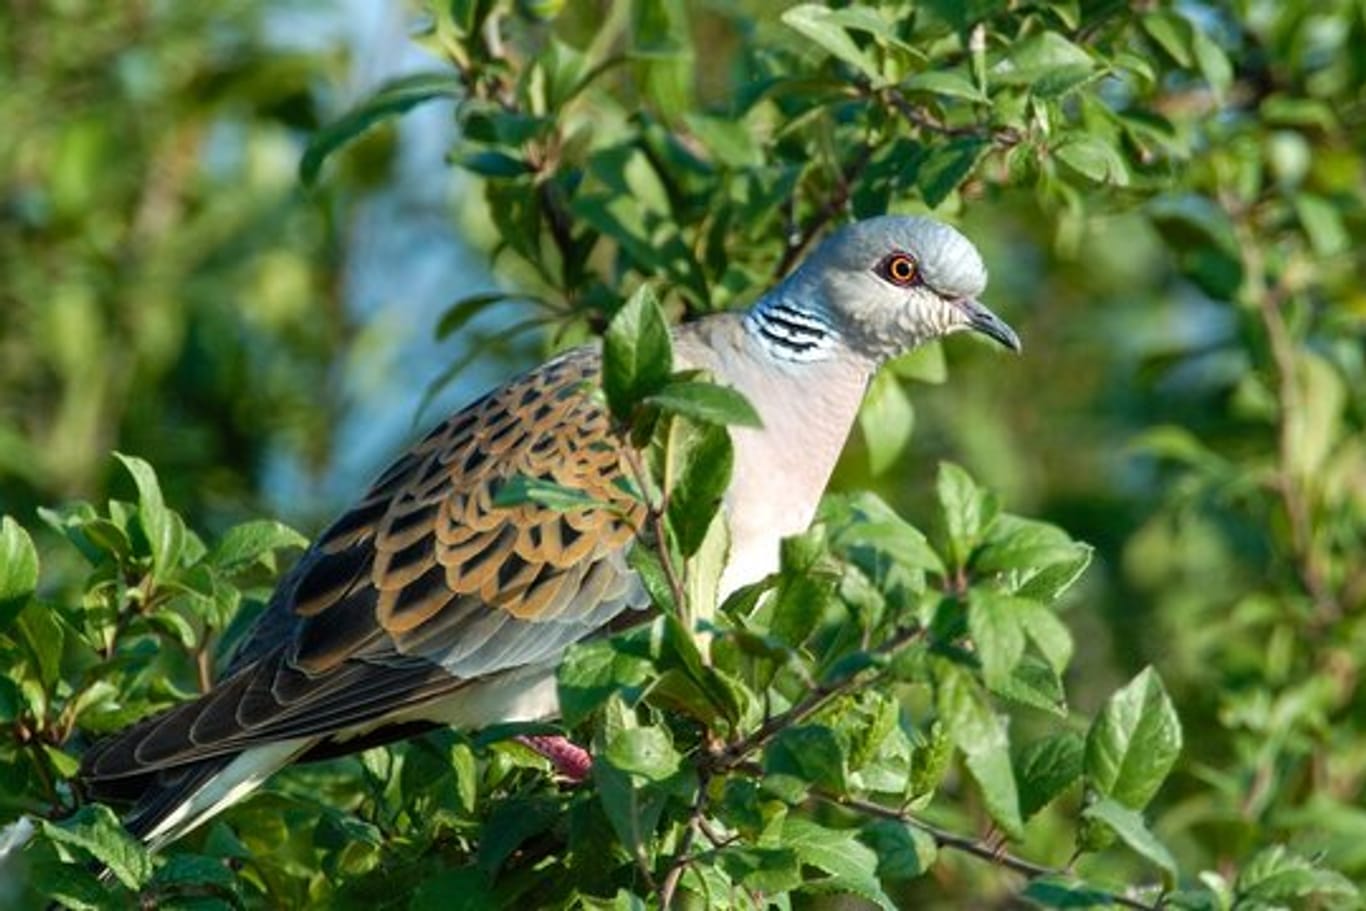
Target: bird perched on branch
[{"x": 428, "y": 604}]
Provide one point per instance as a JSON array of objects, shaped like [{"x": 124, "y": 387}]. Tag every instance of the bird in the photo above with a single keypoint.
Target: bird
[{"x": 427, "y": 603}]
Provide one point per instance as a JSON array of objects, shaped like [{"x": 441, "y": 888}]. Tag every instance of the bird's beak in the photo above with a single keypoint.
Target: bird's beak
[{"x": 982, "y": 320}]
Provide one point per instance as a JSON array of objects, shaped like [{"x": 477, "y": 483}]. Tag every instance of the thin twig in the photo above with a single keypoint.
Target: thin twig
[
  {"x": 921, "y": 119},
  {"x": 682, "y": 860},
  {"x": 972, "y": 846}
]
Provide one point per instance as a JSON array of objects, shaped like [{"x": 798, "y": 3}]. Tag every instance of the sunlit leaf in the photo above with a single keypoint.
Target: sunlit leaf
[{"x": 1134, "y": 742}]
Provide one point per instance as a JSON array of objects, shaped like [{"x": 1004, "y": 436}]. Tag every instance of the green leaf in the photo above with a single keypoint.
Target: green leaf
[
  {"x": 1048, "y": 633},
  {"x": 729, "y": 141},
  {"x": 466, "y": 772},
  {"x": 95, "y": 830},
  {"x": 164, "y": 529},
  {"x": 994, "y": 623},
  {"x": 807, "y": 588},
  {"x": 1278, "y": 876},
  {"x": 1322, "y": 224},
  {"x": 1129, "y": 826},
  {"x": 904, "y": 852},
  {"x": 489, "y": 163},
  {"x": 863, "y": 521},
  {"x": 1172, "y": 32},
  {"x": 851, "y": 865},
  {"x": 1051, "y": 582},
  {"x": 195, "y": 872},
  {"x": 768, "y": 870},
  {"x": 1191, "y": 221},
  {"x": 810, "y": 752},
  {"x": 1044, "y": 56},
  {"x": 249, "y": 542},
  {"x": 819, "y": 24},
  {"x": 633, "y": 811},
  {"x": 700, "y": 460},
  {"x": 1046, "y": 768},
  {"x": 637, "y": 354},
  {"x": 948, "y": 165},
  {"x": 966, "y": 512},
  {"x": 462, "y": 311},
  {"x": 170, "y": 622},
  {"x": 18, "y": 570},
  {"x": 64, "y": 764},
  {"x": 703, "y": 572},
  {"x": 1134, "y": 742},
  {"x": 1213, "y": 62},
  {"x": 1314, "y": 427},
  {"x": 1050, "y": 892},
  {"x": 645, "y": 562},
  {"x": 930, "y": 761},
  {"x": 392, "y": 99},
  {"x": 519, "y": 490},
  {"x": 977, "y": 730},
  {"x": 707, "y": 402},
  {"x": 887, "y": 419},
  {"x": 461, "y": 889},
  {"x": 1093, "y": 158},
  {"x": 1023, "y": 545},
  {"x": 45, "y": 635},
  {"x": 1035, "y": 684},
  {"x": 511, "y": 823},
  {"x": 70, "y": 886},
  {"x": 645, "y": 751},
  {"x": 944, "y": 82},
  {"x": 591, "y": 672}
]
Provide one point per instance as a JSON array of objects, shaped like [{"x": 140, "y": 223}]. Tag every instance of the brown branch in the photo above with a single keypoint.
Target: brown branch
[{"x": 993, "y": 854}]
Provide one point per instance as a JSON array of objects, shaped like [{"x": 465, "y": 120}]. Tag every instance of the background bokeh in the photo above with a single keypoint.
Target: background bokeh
[{"x": 169, "y": 289}]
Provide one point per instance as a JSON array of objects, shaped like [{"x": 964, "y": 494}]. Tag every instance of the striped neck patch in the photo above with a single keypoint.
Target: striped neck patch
[{"x": 789, "y": 332}]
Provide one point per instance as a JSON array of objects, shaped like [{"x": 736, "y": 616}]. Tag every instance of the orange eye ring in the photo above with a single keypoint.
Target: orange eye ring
[{"x": 900, "y": 269}]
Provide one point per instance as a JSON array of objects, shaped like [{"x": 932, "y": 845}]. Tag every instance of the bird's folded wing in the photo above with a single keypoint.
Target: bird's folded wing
[{"x": 427, "y": 583}]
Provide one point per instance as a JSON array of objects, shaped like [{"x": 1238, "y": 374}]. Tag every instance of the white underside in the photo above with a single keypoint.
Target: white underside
[{"x": 527, "y": 694}]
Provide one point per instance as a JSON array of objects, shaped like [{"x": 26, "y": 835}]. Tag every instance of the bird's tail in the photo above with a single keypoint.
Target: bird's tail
[{"x": 169, "y": 802}]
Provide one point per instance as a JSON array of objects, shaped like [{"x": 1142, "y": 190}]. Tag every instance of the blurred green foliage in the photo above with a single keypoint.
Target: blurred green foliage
[
  {"x": 164, "y": 287},
  {"x": 1170, "y": 200}
]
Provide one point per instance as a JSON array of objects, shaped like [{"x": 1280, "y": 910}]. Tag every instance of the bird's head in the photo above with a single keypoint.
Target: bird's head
[{"x": 890, "y": 283}]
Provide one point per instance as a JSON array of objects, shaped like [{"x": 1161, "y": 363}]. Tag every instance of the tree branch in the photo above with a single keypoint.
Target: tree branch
[{"x": 945, "y": 839}]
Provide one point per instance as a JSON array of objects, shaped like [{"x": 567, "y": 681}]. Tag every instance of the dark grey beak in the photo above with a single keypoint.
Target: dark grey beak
[{"x": 989, "y": 324}]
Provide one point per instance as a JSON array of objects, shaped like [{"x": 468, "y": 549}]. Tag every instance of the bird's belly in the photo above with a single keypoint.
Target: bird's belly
[
  {"x": 525, "y": 694},
  {"x": 763, "y": 512}
]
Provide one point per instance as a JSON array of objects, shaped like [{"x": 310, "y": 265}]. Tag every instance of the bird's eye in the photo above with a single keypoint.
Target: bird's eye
[{"x": 899, "y": 269}]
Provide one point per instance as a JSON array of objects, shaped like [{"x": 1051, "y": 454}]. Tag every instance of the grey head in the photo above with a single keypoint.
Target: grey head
[{"x": 887, "y": 284}]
